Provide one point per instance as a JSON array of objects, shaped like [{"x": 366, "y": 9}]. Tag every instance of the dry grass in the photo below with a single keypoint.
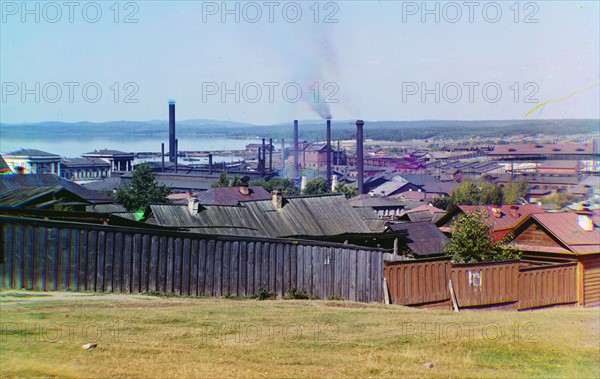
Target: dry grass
[{"x": 146, "y": 336}]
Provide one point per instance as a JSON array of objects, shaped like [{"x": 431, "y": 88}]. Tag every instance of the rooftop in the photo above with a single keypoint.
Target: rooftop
[
  {"x": 299, "y": 216},
  {"x": 31, "y": 153},
  {"x": 232, "y": 195}
]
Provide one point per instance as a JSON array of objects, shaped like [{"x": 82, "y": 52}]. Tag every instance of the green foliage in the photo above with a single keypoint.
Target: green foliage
[
  {"x": 442, "y": 202},
  {"x": 296, "y": 294},
  {"x": 561, "y": 199},
  {"x": 348, "y": 191},
  {"x": 472, "y": 241},
  {"x": 143, "y": 189},
  {"x": 316, "y": 187},
  {"x": 512, "y": 191},
  {"x": 224, "y": 181},
  {"x": 287, "y": 186},
  {"x": 335, "y": 297},
  {"x": 480, "y": 192},
  {"x": 263, "y": 294}
]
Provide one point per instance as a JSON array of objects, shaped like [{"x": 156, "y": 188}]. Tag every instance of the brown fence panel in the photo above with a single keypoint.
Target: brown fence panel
[
  {"x": 547, "y": 285},
  {"x": 418, "y": 281},
  {"x": 485, "y": 284}
]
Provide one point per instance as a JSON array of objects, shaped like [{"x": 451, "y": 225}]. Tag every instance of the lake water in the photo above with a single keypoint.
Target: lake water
[{"x": 75, "y": 147}]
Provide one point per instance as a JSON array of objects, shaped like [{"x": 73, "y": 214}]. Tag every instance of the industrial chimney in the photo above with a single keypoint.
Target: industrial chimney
[
  {"x": 328, "y": 149},
  {"x": 172, "y": 148},
  {"x": 296, "y": 165},
  {"x": 359, "y": 155}
]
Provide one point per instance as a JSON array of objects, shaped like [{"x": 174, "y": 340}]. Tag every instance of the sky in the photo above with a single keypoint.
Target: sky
[{"x": 271, "y": 62}]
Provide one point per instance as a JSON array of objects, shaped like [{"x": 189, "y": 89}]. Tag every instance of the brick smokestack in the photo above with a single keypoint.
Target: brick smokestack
[
  {"x": 328, "y": 149},
  {"x": 295, "y": 148},
  {"x": 359, "y": 155},
  {"x": 172, "y": 148}
]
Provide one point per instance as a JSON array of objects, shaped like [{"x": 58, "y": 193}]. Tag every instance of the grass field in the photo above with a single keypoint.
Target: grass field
[{"x": 149, "y": 336}]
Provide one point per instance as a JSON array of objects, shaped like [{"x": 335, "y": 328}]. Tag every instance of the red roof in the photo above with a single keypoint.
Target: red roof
[
  {"x": 232, "y": 195},
  {"x": 506, "y": 221},
  {"x": 564, "y": 227}
]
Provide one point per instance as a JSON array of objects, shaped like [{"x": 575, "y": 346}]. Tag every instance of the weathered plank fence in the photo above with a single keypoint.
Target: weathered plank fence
[
  {"x": 513, "y": 284},
  {"x": 53, "y": 255}
]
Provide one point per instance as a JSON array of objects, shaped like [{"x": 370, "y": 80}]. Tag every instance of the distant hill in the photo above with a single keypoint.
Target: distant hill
[{"x": 310, "y": 130}]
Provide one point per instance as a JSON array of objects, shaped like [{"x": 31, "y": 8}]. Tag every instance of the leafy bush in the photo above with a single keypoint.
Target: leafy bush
[
  {"x": 296, "y": 294},
  {"x": 335, "y": 297},
  {"x": 263, "y": 294}
]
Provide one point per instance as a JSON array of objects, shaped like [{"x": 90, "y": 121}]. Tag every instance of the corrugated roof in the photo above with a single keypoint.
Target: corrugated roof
[{"x": 300, "y": 216}]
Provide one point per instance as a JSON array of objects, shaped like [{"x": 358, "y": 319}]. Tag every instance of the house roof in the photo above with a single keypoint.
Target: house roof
[
  {"x": 422, "y": 213},
  {"x": 391, "y": 187},
  {"x": 564, "y": 227},
  {"x": 232, "y": 195},
  {"x": 506, "y": 221},
  {"x": 559, "y": 164},
  {"x": 373, "y": 201},
  {"x": 51, "y": 180},
  {"x": 84, "y": 162},
  {"x": 107, "y": 152},
  {"x": 440, "y": 187},
  {"x": 537, "y": 149},
  {"x": 32, "y": 153},
  {"x": 424, "y": 238},
  {"x": 299, "y": 216},
  {"x": 33, "y": 196}
]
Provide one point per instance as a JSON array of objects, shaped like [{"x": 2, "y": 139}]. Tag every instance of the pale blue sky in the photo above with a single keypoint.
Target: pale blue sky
[{"x": 170, "y": 52}]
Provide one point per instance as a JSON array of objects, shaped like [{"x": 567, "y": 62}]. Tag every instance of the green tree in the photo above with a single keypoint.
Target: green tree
[
  {"x": 348, "y": 191},
  {"x": 472, "y": 241},
  {"x": 223, "y": 181},
  {"x": 316, "y": 187},
  {"x": 512, "y": 191},
  {"x": 480, "y": 192},
  {"x": 441, "y": 202},
  {"x": 142, "y": 190},
  {"x": 287, "y": 186}
]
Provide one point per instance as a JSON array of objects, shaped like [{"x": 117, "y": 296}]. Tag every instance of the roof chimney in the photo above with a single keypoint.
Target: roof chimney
[
  {"x": 277, "y": 199},
  {"x": 193, "y": 206},
  {"x": 514, "y": 211},
  {"x": 585, "y": 221},
  {"x": 244, "y": 190}
]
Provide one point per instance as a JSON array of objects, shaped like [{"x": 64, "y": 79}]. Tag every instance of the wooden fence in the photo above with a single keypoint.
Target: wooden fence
[
  {"x": 544, "y": 286},
  {"x": 52, "y": 255},
  {"x": 424, "y": 282}
]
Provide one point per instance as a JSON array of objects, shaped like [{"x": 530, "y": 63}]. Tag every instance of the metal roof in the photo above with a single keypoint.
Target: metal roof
[
  {"x": 564, "y": 226},
  {"x": 299, "y": 216}
]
